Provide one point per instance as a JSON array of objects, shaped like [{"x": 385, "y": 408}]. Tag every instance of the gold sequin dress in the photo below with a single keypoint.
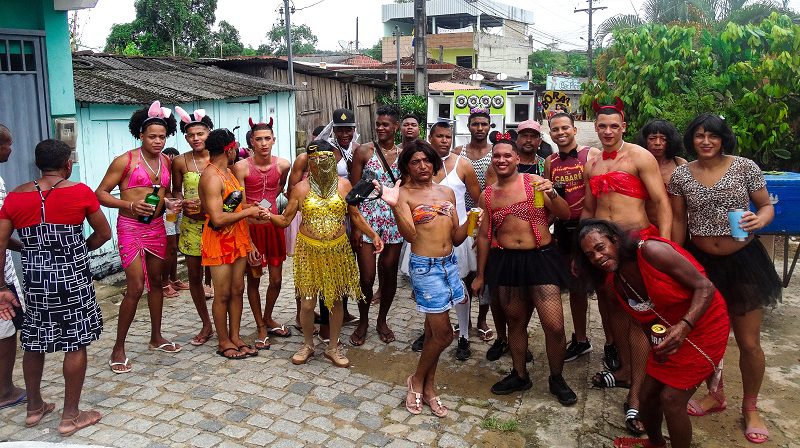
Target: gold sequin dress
[{"x": 324, "y": 264}]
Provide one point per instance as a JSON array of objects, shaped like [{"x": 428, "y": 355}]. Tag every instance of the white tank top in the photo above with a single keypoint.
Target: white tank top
[{"x": 453, "y": 181}]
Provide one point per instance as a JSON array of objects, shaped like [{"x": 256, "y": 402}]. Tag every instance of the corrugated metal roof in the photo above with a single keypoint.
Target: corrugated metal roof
[
  {"x": 102, "y": 78},
  {"x": 458, "y": 8}
]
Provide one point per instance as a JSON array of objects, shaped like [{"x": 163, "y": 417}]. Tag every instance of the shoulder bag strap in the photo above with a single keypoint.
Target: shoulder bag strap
[{"x": 385, "y": 164}]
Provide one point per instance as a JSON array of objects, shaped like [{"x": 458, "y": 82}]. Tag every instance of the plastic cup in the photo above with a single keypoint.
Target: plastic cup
[
  {"x": 734, "y": 215},
  {"x": 173, "y": 205}
]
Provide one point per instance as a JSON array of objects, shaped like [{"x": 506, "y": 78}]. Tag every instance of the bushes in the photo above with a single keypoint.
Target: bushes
[
  {"x": 409, "y": 104},
  {"x": 750, "y": 74}
]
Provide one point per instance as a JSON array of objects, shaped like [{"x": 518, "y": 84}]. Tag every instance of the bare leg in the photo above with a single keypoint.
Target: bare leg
[
  {"x": 673, "y": 402},
  {"x": 273, "y": 290},
  {"x": 134, "y": 276},
  {"x": 254, "y": 299},
  {"x": 222, "y": 297},
  {"x": 32, "y": 368},
  {"x": 8, "y": 355},
  {"x": 307, "y": 306},
  {"x": 367, "y": 269},
  {"x": 155, "y": 298},
  {"x": 652, "y": 415},
  {"x": 335, "y": 320},
  {"x": 195, "y": 271},
  {"x": 236, "y": 304},
  {"x": 388, "y": 262},
  {"x": 438, "y": 336},
  {"x": 74, "y": 369},
  {"x": 747, "y": 331}
]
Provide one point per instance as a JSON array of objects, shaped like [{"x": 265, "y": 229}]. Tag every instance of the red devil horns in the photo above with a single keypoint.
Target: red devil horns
[
  {"x": 252, "y": 125},
  {"x": 617, "y": 106}
]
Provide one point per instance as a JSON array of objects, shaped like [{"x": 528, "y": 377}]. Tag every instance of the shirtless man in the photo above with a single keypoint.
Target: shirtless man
[
  {"x": 186, "y": 169},
  {"x": 619, "y": 180},
  {"x": 264, "y": 176}
]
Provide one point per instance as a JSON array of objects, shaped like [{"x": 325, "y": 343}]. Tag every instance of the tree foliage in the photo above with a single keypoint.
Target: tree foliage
[
  {"x": 546, "y": 62},
  {"x": 749, "y": 73},
  {"x": 710, "y": 13},
  {"x": 304, "y": 41},
  {"x": 376, "y": 52},
  {"x": 160, "y": 24},
  {"x": 225, "y": 41}
]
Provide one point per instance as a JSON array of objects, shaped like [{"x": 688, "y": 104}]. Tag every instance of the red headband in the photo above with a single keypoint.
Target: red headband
[
  {"x": 229, "y": 146},
  {"x": 252, "y": 125},
  {"x": 617, "y": 106}
]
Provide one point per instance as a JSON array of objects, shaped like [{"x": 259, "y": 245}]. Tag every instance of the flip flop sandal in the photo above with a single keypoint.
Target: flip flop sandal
[
  {"x": 387, "y": 337},
  {"x": 437, "y": 407},
  {"x": 163, "y": 347},
  {"x": 749, "y": 434},
  {"x": 170, "y": 293},
  {"x": 413, "y": 399},
  {"x": 363, "y": 190},
  {"x": 605, "y": 379},
  {"x": 695, "y": 409},
  {"x": 262, "y": 344},
  {"x": 70, "y": 426},
  {"x": 486, "y": 335},
  {"x": 634, "y": 442},
  {"x": 127, "y": 366},
  {"x": 19, "y": 400},
  {"x": 224, "y": 354},
  {"x": 357, "y": 342},
  {"x": 33, "y": 418},
  {"x": 200, "y": 340},
  {"x": 248, "y": 354},
  {"x": 281, "y": 332},
  {"x": 631, "y": 417}
]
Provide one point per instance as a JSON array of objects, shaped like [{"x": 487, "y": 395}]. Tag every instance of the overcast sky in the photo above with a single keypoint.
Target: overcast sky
[{"x": 334, "y": 23}]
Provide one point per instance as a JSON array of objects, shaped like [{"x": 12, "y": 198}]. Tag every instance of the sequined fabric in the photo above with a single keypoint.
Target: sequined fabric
[
  {"x": 325, "y": 269},
  {"x": 323, "y": 218}
]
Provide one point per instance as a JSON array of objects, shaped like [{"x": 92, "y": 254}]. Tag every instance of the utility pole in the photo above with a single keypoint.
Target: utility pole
[
  {"x": 356, "y": 34},
  {"x": 290, "y": 68},
  {"x": 397, "y": 47},
  {"x": 591, "y": 9},
  {"x": 420, "y": 49}
]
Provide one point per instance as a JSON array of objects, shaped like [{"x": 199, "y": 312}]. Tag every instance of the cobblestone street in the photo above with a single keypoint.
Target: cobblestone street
[{"x": 196, "y": 398}]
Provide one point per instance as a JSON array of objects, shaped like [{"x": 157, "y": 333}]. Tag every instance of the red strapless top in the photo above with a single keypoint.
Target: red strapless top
[{"x": 619, "y": 182}]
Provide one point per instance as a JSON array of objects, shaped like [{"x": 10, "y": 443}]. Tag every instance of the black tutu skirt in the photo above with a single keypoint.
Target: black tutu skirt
[
  {"x": 746, "y": 278},
  {"x": 526, "y": 267}
]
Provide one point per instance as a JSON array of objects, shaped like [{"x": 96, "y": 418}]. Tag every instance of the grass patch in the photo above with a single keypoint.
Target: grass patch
[{"x": 497, "y": 424}]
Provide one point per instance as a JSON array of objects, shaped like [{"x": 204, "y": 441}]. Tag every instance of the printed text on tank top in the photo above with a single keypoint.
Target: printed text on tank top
[{"x": 523, "y": 210}]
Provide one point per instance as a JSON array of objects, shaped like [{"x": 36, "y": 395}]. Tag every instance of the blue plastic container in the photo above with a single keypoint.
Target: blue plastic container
[{"x": 784, "y": 191}]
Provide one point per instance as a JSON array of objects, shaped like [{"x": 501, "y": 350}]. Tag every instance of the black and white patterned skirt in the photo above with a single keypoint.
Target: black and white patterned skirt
[{"x": 61, "y": 309}]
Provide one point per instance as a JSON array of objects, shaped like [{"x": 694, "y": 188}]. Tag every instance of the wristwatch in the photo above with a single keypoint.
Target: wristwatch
[{"x": 552, "y": 194}]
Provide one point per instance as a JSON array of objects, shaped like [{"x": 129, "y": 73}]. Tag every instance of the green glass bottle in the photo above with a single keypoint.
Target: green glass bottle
[{"x": 152, "y": 199}]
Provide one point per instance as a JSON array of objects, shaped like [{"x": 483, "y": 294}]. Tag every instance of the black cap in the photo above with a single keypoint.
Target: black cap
[
  {"x": 318, "y": 146},
  {"x": 344, "y": 118}
]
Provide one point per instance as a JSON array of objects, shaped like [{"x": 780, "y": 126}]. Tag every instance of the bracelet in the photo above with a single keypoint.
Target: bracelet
[
  {"x": 131, "y": 206},
  {"x": 552, "y": 194},
  {"x": 691, "y": 326}
]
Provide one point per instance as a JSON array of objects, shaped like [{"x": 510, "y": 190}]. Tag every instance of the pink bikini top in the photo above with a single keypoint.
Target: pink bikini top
[
  {"x": 523, "y": 210},
  {"x": 619, "y": 182},
  {"x": 140, "y": 177}
]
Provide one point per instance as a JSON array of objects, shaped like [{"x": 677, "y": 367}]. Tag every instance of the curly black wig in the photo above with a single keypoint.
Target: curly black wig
[
  {"x": 206, "y": 121},
  {"x": 668, "y": 130},
  {"x": 140, "y": 118},
  {"x": 218, "y": 139}
]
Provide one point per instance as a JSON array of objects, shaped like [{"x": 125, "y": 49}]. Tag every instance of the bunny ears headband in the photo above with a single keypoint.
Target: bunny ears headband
[
  {"x": 502, "y": 137},
  {"x": 195, "y": 118},
  {"x": 252, "y": 124},
  {"x": 617, "y": 106},
  {"x": 156, "y": 113}
]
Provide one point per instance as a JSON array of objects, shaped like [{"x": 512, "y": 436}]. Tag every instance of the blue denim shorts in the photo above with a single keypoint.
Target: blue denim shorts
[{"x": 436, "y": 282}]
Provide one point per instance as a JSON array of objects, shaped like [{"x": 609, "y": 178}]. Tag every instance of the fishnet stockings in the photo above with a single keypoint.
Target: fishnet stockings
[
  {"x": 634, "y": 348},
  {"x": 518, "y": 304}
]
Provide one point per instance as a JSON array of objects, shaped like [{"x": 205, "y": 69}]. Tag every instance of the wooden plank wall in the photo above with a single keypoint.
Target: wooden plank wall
[{"x": 315, "y": 106}]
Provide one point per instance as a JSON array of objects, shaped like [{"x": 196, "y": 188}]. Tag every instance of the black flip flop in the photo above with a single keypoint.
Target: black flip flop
[{"x": 223, "y": 353}]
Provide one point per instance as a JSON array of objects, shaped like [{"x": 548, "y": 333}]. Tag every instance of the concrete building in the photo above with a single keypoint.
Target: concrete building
[{"x": 459, "y": 33}]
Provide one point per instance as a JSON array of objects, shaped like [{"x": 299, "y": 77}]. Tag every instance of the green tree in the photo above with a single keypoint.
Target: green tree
[
  {"x": 749, "y": 73},
  {"x": 304, "y": 41},
  {"x": 545, "y": 62},
  {"x": 376, "y": 52},
  {"x": 704, "y": 12},
  {"x": 161, "y": 25},
  {"x": 225, "y": 41}
]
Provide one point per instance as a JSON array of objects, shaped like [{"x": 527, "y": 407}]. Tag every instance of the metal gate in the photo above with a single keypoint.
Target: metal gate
[{"x": 24, "y": 105}]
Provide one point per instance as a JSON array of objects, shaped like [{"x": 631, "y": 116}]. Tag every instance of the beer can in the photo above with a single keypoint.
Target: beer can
[
  {"x": 658, "y": 333},
  {"x": 538, "y": 196},
  {"x": 472, "y": 221}
]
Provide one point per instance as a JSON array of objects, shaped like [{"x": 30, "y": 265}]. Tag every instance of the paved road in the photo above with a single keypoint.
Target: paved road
[{"x": 196, "y": 398}]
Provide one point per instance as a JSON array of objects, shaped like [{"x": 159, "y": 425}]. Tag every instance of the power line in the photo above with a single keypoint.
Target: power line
[
  {"x": 306, "y": 7},
  {"x": 591, "y": 11}
]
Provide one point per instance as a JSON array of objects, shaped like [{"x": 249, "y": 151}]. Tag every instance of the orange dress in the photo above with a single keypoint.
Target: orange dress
[{"x": 226, "y": 245}]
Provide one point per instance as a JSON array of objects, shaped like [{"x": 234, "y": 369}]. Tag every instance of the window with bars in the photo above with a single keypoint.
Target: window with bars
[{"x": 17, "y": 55}]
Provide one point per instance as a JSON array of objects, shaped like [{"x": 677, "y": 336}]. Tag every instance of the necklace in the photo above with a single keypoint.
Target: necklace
[
  {"x": 197, "y": 169},
  {"x": 157, "y": 173},
  {"x": 647, "y": 305}
]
